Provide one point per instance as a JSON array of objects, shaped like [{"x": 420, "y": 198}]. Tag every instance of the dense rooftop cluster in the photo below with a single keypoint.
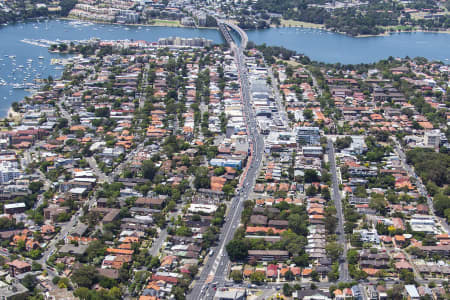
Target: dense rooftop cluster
[{"x": 128, "y": 177}]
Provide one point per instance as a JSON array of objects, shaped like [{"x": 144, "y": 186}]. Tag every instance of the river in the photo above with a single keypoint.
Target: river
[{"x": 22, "y": 63}]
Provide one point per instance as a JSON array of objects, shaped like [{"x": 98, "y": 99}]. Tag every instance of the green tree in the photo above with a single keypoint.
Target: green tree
[
  {"x": 237, "y": 250},
  {"x": 35, "y": 186},
  {"x": 85, "y": 276},
  {"x": 308, "y": 114},
  {"x": 287, "y": 290},
  {"x": 311, "y": 176},
  {"x": 352, "y": 256},
  {"x": 29, "y": 281},
  {"x": 149, "y": 169},
  {"x": 334, "y": 250},
  {"x": 257, "y": 277},
  {"x": 298, "y": 224},
  {"x": 236, "y": 275}
]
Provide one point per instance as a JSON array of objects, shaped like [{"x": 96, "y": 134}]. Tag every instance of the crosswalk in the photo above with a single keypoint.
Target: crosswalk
[{"x": 216, "y": 263}]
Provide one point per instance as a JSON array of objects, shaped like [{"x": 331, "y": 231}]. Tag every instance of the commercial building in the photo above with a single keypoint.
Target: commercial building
[
  {"x": 182, "y": 42},
  {"x": 432, "y": 138},
  {"x": 308, "y": 135},
  {"x": 230, "y": 295},
  {"x": 14, "y": 208}
]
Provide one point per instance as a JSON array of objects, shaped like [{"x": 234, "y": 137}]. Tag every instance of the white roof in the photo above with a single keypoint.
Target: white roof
[
  {"x": 14, "y": 205},
  {"x": 412, "y": 291},
  {"x": 77, "y": 190}
]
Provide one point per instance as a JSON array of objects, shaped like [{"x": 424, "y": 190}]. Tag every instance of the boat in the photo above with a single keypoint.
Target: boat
[
  {"x": 18, "y": 86},
  {"x": 41, "y": 57}
]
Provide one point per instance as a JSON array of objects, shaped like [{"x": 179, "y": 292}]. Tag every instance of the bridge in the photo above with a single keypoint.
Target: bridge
[{"x": 225, "y": 26}]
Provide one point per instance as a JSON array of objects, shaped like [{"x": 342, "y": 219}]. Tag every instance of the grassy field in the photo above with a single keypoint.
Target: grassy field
[
  {"x": 172, "y": 23},
  {"x": 292, "y": 23}
]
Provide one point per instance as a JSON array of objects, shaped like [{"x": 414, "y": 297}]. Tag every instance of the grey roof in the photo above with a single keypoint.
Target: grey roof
[{"x": 72, "y": 249}]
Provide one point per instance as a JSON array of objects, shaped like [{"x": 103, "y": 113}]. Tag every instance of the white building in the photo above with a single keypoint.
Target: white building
[
  {"x": 368, "y": 236},
  {"x": 423, "y": 223},
  {"x": 8, "y": 173},
  {"x": 432, "y": 138}
]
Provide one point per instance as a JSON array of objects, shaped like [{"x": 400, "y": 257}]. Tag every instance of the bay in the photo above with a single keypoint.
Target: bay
[
  {"x": 330, "y": 47},
  {"x": 21, "y": 62}
]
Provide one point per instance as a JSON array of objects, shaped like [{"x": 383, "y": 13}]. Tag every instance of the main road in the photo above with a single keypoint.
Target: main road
[
  {"x": 343, "y": 268},
  {"x": 216, "y": 268}
]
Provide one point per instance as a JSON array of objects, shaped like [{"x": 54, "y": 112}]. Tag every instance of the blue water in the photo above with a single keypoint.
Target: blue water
[
  {"x": 318, "y": 44},
  {"x": 10, "y": 44},
  {"x": 321, "y": 45}
]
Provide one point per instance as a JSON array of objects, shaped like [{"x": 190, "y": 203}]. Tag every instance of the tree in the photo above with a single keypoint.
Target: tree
[
  {"x": 330, "y": 219},
  {"x": 228, "y": 190},
  {"x": 315, "y": 276},
  {"x": 396, "y": 293},
  {"x": 64, "y": 283},
  {"x": 219, "y": 171},
  {"x": 154, "y": 262},
  {"x": 62, "y": 123},
  {"x": 15, "y": 106},
  {"x": 202, "y": 180},
  {"x": 35, "y": 266},
  {"x": 96, "y": 248},
  {"x": 29, "y": 281},
  {"x": 193, "y": 270},
  {"x": 352, "y": 256},
  {"x": 297, "y": 224},
  {"x": 441, "y": 204},
  {"x": 342, "y": 143},
  {"x": 407, "y": 276},
  {"x": 236, "y": 275},
  {"x": 378, "y": 203},
  {"x": 115, "y": 293},
  {"x": 85, "y": 276},
  {"x": 149, "y": 169},
  {"x": 311, "y": 191},
  {"x": 289, "y": 276},
  {"x": 302, "y": 260},
  {"x": 308, "y": 114},
  {"x": 311, "y": 176},
  {"x": 237, "y": 250},
  {"x": 334, "y": 250},
  {"x": 83, "y": 293},
  {"x": 35, "y": 186},
  {"x": 257, "y": 277},
  {"x": 325, "y": 193},
  {"x": 102, "y": 112},
  {"x": 287, "y": 290}
]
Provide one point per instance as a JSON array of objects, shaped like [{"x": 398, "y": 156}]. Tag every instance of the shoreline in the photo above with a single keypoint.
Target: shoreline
[
  {"x": 287, "y": 24},
  {"x": 158, "y": 23},
  {"x": 12, "y": 115},
  {"x": 300, "y": 24}
]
